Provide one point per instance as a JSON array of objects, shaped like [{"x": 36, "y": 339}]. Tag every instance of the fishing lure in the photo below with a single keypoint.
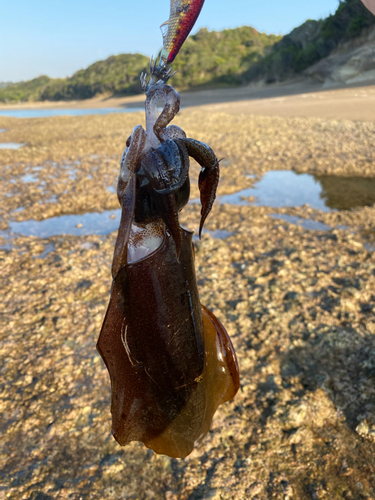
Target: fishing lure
[
  {"x": 183, "y": 15},
  {"x": 170, "y": 360}
]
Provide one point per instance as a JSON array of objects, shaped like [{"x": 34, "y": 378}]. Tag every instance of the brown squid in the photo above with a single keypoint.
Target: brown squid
[{"x": 170, "y": 360}]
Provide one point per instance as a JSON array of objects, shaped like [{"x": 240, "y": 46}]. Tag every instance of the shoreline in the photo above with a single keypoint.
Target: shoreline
[{"x": 291, "y": 99}]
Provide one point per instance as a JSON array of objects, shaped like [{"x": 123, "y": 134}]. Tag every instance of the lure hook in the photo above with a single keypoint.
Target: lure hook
[{"x": 160, "y": 72}]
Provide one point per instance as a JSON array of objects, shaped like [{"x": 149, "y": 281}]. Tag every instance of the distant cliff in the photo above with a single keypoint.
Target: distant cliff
[
  {"x": 313, "y": 41},
  {"x": 351, "y": 62}
]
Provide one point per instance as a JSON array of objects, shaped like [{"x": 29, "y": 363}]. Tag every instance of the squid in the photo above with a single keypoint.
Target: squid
[{"x": 170, "y": 360}]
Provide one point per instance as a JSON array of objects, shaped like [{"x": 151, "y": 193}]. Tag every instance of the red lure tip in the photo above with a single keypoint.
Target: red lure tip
[{"x": 183, "y": 16}]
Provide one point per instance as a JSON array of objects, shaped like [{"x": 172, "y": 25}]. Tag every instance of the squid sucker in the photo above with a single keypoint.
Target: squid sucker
[{"x": 170, "y": 360}]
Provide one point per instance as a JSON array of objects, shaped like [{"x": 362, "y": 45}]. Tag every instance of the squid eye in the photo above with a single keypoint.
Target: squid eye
[{"x": 128, "y": 141}]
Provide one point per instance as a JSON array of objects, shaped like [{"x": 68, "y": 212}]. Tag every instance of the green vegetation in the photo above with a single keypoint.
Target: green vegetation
[
  {"x": 117, "y": 75},
  {"x": 24, "y": 91},
  {"x": 220, "y": 57},
  {"x": 216, "y": 58}
]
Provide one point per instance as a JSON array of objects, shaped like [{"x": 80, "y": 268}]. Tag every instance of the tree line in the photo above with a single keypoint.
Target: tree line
[{"x": 225, "y": 58}]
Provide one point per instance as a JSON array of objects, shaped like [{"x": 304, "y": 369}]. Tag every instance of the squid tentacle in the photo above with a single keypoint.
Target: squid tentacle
[
  {"x": 208, "y": 177},
  {"x": 181, "y": 161},
  {"x": 120, "y": 256},
  {"x": 166, "y": 205},
  {"x": 126, "y": 192},
  {"x": 162, "y": 162},
  {"x": 156, "y": 125},
  {"x": 154, "y": 174}
]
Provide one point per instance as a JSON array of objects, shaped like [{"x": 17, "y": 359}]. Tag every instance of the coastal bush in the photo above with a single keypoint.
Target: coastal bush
[
  {"x": 24, "y": 91},
  {"x": 214, "y": 58},
  {"x": 117, "y": 75},
  {"x": 208, "y": 58}
]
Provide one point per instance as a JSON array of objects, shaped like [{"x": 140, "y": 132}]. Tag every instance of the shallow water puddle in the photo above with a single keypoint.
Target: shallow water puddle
[
  {"x": 80, "y": 225},
  {"x": 48, "y": 249},
  {"x": 29, "y": 178},
  {"x": 6, "y": 244},
  {"x": 218, "y": 234},
  {"x": 286, "y": 188},
  {"x": 311, "y": 225},
  {"x": 279, "y": 188},
  {"x": 370, "y": 247},
  {"x": 276, "y": 189},
  {"x": 344, "y": 193},
  {"x": 45, "y": 113},
  {"x": 11, "y": 145}
]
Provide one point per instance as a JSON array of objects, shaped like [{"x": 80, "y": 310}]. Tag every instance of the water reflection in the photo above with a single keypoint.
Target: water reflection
[
  {"x": 285, "y": 188},
  {"x": 280, "y": 188},
  {"x": 79, "y": 225},
  {"x": 275, "y": 189},
  {"x": 370, "y": 247},
  {"x": 29, "y": 178},
  {"x": 311, "y": 225},
  {"x": 48, "y": 249},
  {"x": 218, "y": 234},
  {"x": 44, "y": 113},
  {"x": 344, "y": 193},
  {"x": 10, "y": 145}
]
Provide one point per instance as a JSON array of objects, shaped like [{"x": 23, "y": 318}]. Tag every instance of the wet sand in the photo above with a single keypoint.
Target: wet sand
[
  {"x": 291, "y": 99},
  {"x": 298, "y": 304},
  {"x": 346, "y": 104}
]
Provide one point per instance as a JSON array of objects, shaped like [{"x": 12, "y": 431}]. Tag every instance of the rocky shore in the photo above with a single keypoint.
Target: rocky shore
[{"x": 299, "y": 305}]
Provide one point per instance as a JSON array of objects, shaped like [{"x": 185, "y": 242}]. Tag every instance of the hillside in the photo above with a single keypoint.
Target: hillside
[
  {"x": 220, "y": 57},
  {"x": 24, "y": 91},
  {"x": 117, "y": 75},
  {"x": 5, "y": 84},
  {"x": 216, "y": 59}
]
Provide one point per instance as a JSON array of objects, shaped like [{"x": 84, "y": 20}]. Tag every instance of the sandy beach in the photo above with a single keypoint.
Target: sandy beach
[
  {"x": 293, "y": 284},
  {"x": 299, "y": 99}
]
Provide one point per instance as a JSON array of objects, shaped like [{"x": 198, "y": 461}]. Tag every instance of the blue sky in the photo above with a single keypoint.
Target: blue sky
[{"x": 57, "y": 38}]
